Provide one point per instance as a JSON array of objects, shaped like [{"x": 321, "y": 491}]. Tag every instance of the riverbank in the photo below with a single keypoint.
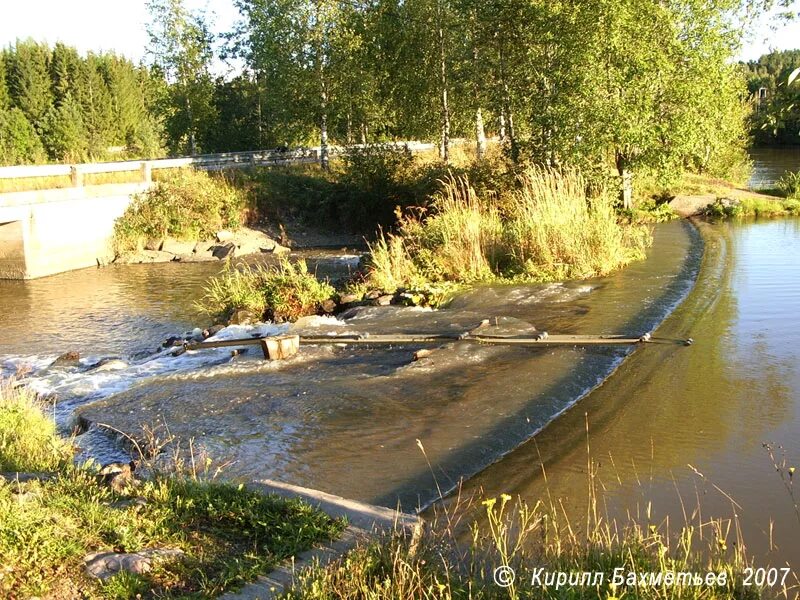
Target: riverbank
[{"x": 81, "y": 531}]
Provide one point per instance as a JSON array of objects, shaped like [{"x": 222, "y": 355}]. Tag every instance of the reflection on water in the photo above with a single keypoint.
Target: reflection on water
[
  {"x": 668, "y": 411},
  {"x": 769, "y": 165},
  {"x": 346, "y": 420}
]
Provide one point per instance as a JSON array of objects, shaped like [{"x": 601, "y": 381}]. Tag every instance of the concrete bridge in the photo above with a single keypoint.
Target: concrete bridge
[{"x": 50, "y": 231}]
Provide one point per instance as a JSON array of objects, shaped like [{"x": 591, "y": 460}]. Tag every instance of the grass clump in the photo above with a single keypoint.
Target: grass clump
[
  {"x": 185, "y": 204},
  {"x": 752, "y": 207},
  {"x": 283, "y": 293},
  {"x": 228, "y": 534},
  {"x": 546, "y": 229},
  {"x": 28, "y": 439},
  {"x": 789, "y": 184}
]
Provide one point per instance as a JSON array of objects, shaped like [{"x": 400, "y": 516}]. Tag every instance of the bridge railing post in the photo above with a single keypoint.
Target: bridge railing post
[
  {"x": 146, "y": 169},
  {"x": 76, "y": 176}
]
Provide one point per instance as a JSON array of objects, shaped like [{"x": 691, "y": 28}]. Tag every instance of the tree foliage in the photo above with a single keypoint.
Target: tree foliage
[
  {"x": 776, "y": 119},
  {"x": 56, "y": 104}
]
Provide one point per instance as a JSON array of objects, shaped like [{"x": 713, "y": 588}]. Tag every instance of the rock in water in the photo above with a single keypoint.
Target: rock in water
[
  {"x": 223, "y": 251},
  {"x": 110, "y": 364},
  {"x": 68, "y": 359}
]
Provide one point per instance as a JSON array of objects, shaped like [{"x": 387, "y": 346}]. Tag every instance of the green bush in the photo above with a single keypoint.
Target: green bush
[
  {"x": 284, "y": 293},
  {"x": 28, "y": 437},
  {"x": 186, "y": 204}
]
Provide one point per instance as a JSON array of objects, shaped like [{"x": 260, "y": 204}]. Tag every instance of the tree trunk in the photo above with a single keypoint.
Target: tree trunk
[
  {"x": 480, "y": 136},
  {"x": 190, "y": 118},
  {"x": 506, "y": 110},
  {"x": 323, "y": 129},
  {"x": 444, "y": 149},
  {"x": 626, "y": 181},
  {"x": 502, "y": 126}
]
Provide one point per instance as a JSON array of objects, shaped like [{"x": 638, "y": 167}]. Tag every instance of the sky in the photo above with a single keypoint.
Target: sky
[{"x": 119, "y": 25}]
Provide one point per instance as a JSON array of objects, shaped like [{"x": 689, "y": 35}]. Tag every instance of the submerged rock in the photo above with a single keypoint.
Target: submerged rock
[
  {"x": 68, "y": 359},
  {"x": 108, "y": 364}
]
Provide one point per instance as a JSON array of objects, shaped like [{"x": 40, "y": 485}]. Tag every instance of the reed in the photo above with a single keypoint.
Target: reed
[{"x": 546, "y": 229}]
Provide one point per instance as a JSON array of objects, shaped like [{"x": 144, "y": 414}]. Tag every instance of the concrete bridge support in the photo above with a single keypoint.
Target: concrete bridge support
[{"x": 51, "y": 231}]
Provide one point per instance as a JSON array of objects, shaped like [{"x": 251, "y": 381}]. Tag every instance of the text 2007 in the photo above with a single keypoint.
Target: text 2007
[{"x": 770, "y": 577}]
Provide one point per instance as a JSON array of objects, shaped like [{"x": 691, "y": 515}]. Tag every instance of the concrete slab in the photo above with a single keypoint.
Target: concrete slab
[{"x": 365, "y": 522}]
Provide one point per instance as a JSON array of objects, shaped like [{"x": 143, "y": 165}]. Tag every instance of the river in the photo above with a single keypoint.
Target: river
[{"x": 348, "y": 420}]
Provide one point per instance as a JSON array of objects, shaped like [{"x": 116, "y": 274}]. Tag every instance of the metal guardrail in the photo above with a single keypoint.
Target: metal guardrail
[{"x": 209, "y": 162}]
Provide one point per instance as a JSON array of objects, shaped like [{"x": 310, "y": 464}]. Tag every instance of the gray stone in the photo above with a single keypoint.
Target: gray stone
[
  {"x": 268, "y": 246},
  {"x": 144, "y": 256},
  {"x": 110, "y": 364},
  {"x": 68, "y": 359},
  {"x": 178, "y": 247},
  {"x": 384, "y": 300},
  {"x": 224, "y": 236},
  {"x": 118, "y": 476},
  {"x": 349, "y": 298},
  {"x": 373, "y": 294},
  {"x": 153, "y": 244},
  {"x": 203, "y": 256},
  {"x": 222, "y": 252},
  {"x": 102, "y": 565}
]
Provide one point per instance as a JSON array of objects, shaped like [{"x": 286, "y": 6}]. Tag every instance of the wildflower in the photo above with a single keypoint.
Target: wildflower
[
  {"x": 489, "y": 503},
  {"x": 791, "y": 472}
]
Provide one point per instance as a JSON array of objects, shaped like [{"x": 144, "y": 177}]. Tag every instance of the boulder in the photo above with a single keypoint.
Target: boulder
[
  {"x": 203, "y": 256},
  {"x": 328, "y": 306},
  {"x": 68, "y": 359},
  {"x": 213, "y": 330},
  {"x": 102, "y": 565},
  {"x": 278, "y": 249},
  {"x": 178, "y": 247},
  {"x": 153, "y": 244},
  {"x": 224, "y": 236},
  {"x": 242, "y": 316},
  {"x": 118, "y": 476},
  {"x": 221, "y": 252},
  {"x": 384, "y": 300},
  {"x": 109, "y": 364},
  {"x": 349, "y": 298}
]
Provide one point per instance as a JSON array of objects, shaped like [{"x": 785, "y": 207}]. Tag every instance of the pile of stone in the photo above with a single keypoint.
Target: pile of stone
[{"x": 224, "y": 246}]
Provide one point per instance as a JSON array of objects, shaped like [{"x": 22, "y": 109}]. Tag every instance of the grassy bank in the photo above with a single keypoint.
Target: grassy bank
[
  {"x": 186, "y": 205},
  {"x": 227, "y": 534}
]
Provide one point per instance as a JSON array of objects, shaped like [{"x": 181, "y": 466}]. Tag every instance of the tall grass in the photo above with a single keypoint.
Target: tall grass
[
  {"x": 283, "y": 293},
  {"x": 28, "y": 438},
  {"x": 545, "y": 229},
  {"x": 467, "y": 541}
]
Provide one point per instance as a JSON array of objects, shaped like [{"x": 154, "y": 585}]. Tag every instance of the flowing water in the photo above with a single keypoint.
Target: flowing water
[
  {"x": 354, "y": 420},
  {"x": 344, "y": 420},
  {"x": 685, "y": 428}
]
